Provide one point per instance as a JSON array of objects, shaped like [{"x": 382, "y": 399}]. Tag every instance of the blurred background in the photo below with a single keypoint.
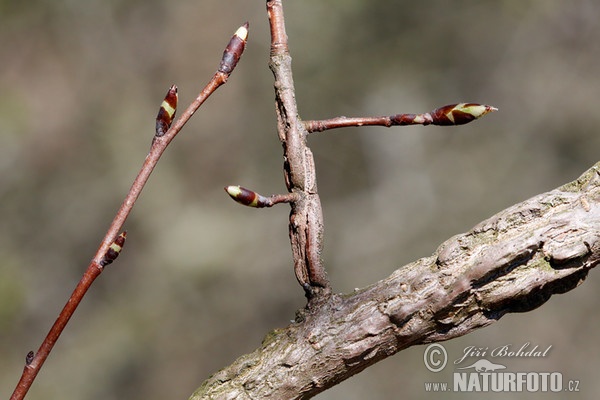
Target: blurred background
[{"x": 202, "y": 279}]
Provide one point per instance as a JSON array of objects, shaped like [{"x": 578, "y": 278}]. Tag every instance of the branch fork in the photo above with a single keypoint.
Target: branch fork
[{"x": 306, "y": 218}]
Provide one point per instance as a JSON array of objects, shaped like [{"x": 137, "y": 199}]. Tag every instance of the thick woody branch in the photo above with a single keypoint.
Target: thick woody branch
[{"x": 512, "y": 262}]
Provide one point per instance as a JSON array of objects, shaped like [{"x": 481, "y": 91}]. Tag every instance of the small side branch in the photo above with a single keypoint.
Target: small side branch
[
  {"x": 453, "y": 114},
  {"x": 250, "y": 198}
]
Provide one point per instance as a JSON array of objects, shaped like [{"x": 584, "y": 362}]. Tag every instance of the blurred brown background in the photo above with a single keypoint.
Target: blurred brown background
[{"x": 202, "y": 280}]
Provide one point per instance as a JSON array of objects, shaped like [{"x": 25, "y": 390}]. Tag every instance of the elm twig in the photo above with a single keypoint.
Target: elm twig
[
  {"x": 113, "y": 241},
  {"x": 453, "y": 114}
]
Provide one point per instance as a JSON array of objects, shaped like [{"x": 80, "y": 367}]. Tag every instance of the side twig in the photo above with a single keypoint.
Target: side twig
[
  {"x": 112, "y": 242},
  {"x": 250, "y": 198},
  {"x": 453, "y": 114}
]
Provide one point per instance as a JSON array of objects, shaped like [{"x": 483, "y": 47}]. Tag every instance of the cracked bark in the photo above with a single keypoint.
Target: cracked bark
[
  {"x": 306, "y": 217},
  {"x": 512, "y": 262}
]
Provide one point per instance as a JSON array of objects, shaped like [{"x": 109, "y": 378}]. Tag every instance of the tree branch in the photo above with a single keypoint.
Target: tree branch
[
  {"x": 512, "y": 262},
  {"x": 113, "y": 241}
]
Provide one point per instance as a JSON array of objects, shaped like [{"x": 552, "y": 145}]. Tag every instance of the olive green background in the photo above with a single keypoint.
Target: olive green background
[{"x": 202, "y": 279}]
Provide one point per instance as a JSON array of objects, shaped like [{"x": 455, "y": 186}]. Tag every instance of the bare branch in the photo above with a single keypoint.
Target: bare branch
[
  {"x": 112, "y": 242},
  {"x": 512, "y": 262}
]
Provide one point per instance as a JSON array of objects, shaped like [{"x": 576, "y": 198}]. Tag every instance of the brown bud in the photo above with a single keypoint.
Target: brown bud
[
  {"x": 114, "y": 250},
  {"x": 247, "y": 197},
  {"x": 459, "y": 114},
  {"x": 165, "y": 115},
  {"x": 234, "y": 50},
  {"x": 29, "y": 358}
]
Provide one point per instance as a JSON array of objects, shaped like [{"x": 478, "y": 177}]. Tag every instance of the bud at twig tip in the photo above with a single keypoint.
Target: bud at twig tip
[
  {"x": 459, "y": 114},
  {"x": 476, "y": 110},
  {"x": 234, "y": 50},
  {"x": 247, "y": 197},
  {"x": 233, "y": 191},
  {"x": 242, "y": 31}
]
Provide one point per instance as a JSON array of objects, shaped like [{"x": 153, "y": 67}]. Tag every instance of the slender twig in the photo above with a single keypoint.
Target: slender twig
[
  {"x": 453, "y": 114},
  {"x": 112, "y": 242}
]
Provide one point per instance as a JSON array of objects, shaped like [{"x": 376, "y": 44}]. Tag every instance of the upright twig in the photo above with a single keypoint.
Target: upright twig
[
  {"x": 306, "y": 218},
  {"x": 112, "y": 242}
]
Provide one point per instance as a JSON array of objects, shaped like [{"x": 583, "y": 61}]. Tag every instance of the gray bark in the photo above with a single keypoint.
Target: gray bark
[{"x": 512, "y": 262}]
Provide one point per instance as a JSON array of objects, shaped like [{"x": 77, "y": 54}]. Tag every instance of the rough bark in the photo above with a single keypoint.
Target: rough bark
[
  {"x": 306, "y": 217},
  {"x": 511, "y": 262}
]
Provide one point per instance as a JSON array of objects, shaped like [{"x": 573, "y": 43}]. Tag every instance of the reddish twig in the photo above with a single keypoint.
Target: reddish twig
[
  {"x": 112, "y": 242},
  {"x": 453, "y": 114}
]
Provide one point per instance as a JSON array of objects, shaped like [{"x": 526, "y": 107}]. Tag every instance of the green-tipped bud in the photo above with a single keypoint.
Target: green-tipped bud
[
  {"x": 234, "y": 50},
  {"x": 247, "y": 197},
  {"x": 166, "y": 113},
  {"x": 459, "y": 114},
  {"x": 114, "y": 249}
]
